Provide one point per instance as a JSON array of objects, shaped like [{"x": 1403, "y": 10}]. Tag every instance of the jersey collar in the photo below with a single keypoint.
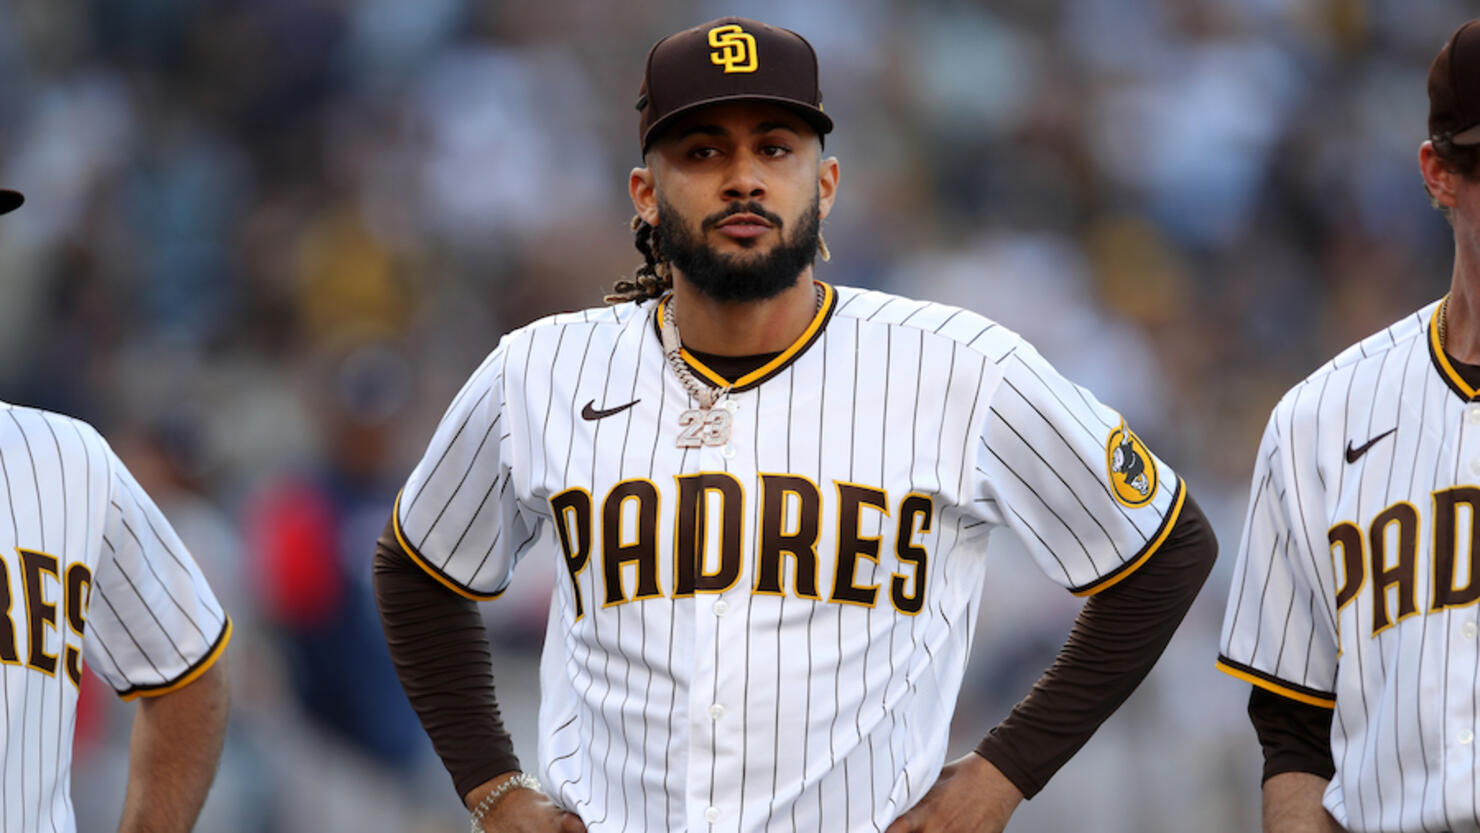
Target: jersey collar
[
  {"x": 1445, "y": 367},
  {"x": 774, "y": 366}
]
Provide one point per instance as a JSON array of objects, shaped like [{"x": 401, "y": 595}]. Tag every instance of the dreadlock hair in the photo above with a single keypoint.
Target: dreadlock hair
[{"x": 655, "y": 276}]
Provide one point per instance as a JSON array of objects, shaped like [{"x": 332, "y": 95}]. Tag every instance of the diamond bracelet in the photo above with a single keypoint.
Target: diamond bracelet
[{"x": 489, "y": 801}]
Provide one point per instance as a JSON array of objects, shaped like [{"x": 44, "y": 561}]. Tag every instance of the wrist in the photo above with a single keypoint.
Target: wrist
[
  {"x": 476, "y": 794},
  {"x": 485, "y": 798},
  {"x": 995, "y": 783},
  {"x": 999, "y": 756}
]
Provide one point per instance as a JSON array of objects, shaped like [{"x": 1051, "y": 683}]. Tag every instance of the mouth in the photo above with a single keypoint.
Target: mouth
[{"x": 744, "y": 226}]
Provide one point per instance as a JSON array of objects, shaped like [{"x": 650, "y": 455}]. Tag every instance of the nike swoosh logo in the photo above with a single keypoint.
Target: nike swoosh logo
[
  {"x": 590, "y": 413},
  {"x": 1354, "y": 454}
]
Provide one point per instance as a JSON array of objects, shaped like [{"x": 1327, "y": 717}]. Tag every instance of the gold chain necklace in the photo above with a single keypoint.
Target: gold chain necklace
[
  {"x": 704, "y": 425},
  {"x": 1443, "y": 319}
]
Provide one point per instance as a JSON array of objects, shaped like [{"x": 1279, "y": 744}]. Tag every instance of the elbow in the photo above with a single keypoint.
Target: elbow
[
  {"x": 210, "y": 694},
  {"x": 1200, "y": 541},
  {"x": 210, "y": 701},
  {"x": 203, "y": 705},
  {"x": 219, "y": 681},
  {"x": 1208, "y": 552}
]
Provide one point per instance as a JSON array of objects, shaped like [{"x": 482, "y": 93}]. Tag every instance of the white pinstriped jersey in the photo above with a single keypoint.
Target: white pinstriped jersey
[
  {"x": 92, "y": 573},
  {"x": 771, "y": 634},
  {"x": 1357, "y": 577}
]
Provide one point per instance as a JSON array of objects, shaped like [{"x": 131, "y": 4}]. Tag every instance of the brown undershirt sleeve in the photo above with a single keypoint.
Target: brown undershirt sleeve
[
  {"x": 440, "y": 649},
  {"x": 1118, "y": 636},
  {"x": 1295, "y": 737}
]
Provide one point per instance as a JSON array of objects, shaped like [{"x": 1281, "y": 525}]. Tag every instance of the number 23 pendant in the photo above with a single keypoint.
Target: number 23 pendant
[{"x": 704, "y": 426}]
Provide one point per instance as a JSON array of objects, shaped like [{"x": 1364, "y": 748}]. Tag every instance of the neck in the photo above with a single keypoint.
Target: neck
[
  {"x": 1462, "y": 318},
  {"x": 743, "y": 328}
]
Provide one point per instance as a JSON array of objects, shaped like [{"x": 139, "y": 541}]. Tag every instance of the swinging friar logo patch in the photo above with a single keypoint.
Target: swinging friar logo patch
[{"x": 1132, "y": 470}]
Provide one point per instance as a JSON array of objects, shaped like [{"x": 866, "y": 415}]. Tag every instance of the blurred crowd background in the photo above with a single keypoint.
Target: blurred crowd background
[{"x": 266, "y": 240}]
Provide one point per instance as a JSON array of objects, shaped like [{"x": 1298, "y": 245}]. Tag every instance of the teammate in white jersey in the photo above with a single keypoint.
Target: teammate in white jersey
[
  {"x": 770, "y": 498},
  {"x": 1355, "y": 590},
  {"x": 91, "y": 573}
]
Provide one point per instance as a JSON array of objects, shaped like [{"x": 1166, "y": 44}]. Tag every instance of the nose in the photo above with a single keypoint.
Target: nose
[{"x": 743, "y": 180}]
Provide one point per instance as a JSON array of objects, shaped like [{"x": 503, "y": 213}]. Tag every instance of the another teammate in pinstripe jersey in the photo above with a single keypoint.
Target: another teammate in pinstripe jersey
[
  {"x": 770, "y": 498},
  {"x": 91, "y": 574},
  {"x": 1353, "y": 605}
]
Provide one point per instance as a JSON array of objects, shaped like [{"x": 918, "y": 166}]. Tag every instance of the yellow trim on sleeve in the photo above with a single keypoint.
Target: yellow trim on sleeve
[
  {"x": 1270, "y": 685},
  {"x": 1166, "y": 530},
  {"x": 426, "y": 566},
  {"x": 1443, "y": 358},
  {"x": 190, "y": 676},
  {"x": 829, "y": 295}
]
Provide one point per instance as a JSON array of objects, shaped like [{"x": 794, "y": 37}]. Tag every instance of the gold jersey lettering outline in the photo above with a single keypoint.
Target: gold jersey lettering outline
[{"x": 736, "y": 48}]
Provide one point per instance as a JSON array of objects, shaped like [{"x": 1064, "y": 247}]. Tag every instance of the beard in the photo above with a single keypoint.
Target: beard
[{"x": 739, "y": 278}]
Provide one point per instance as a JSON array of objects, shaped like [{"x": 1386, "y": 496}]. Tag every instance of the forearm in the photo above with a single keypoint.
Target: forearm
[
  {"x": 1292, "y": 804},
  {"x": 176, "y": 743},
  {"x": 1296, "y": 740},
  {"x": 440, "y": 649},
  {"x": 1116, "y": 640}
]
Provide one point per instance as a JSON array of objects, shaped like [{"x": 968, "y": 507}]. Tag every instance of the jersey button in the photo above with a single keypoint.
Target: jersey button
[
  {"x": 716, "y": 711},
  {"x": 721, "y": 607},
  {"x": 1473, "y": 415},
  {"x": 729, "y": 453},
  {"x": 1468, "y": 630},
  {"x": 1475, "y": 466},
  {"x": 711, "y": 815},
  {"x": 1465, "y": 736}
]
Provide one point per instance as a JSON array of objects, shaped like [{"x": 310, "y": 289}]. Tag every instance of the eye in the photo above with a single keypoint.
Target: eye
[
  {"x": 775, "y": 151},
  {"x": 703, "y": 152}
]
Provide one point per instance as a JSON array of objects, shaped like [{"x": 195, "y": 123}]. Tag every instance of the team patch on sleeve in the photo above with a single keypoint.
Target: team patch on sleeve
[{"x": 1130, "y": 468}]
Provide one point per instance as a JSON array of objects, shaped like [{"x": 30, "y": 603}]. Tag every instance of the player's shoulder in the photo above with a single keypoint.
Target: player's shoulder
[
  {"x": 611, "y": 319},
  {"x": 598, "y": 329},
  {"x": 969, "y": 329},
  {"x": 610, "y": 315},
  {"x": 24, "y": 420},
  {"x": 1365, "y": 357},
  {"x": 50, "y": 438}
]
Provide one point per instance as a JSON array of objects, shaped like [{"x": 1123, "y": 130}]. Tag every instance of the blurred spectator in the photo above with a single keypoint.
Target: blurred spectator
[{"x": 309, "y": 532}]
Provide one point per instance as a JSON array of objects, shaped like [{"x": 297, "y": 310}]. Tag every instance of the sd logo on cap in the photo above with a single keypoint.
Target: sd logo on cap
[{"x": 736, "y": 48}]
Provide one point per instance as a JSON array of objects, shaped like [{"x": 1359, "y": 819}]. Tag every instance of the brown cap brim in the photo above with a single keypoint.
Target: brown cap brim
[
  {"x": 1467, "y": 137},
  {"x": 815, "y": 118},
  {"x": 10, "y": 200}
]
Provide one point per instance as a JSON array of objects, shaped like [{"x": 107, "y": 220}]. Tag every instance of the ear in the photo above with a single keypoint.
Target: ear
[
  {"x": 643, "y": 187},
  {"x": 827, "y": 185},
  {"x": 1437, "y": 177}
]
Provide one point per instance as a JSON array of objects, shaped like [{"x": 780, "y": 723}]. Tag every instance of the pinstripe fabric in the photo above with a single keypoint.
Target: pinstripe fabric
[
  {"x": 79, "y": 538},
  {"x": 1398, "y": 663},
  {"x": 754, "y": 707}
]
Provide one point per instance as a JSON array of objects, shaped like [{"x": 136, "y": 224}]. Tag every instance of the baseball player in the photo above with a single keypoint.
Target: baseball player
[
  {"x": 91, "y": 573},
  {"x": 1354, "y": 594},
  {"x": 769, "y": 498}
]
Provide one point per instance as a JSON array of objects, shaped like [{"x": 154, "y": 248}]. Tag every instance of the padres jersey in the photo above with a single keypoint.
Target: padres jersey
[
  {"x": 92, "y": 574},
  {"x": 1357, "y": 577},
  {"x": 770, "y": 633}
]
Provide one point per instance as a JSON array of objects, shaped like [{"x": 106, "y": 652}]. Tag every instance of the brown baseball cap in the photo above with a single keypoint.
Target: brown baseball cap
[
  {"x": 10, "y": 200},
  {"x": 1454, "y": 87},
  {"x": 730, "y": 59}
]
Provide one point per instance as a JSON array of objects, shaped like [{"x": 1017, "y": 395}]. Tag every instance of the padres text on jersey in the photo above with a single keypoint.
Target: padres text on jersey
[
  {"x": 1359, "y": 571},
  {"x": 90, "y": 572},
  {"x": 769, "y": 633}
]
